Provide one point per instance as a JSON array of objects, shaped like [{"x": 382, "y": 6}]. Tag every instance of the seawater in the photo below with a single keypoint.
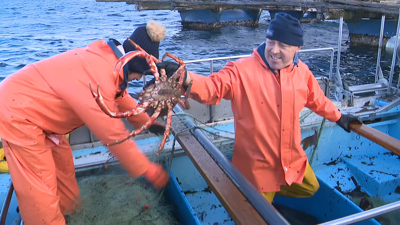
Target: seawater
[{"x": 37, "y": 29}]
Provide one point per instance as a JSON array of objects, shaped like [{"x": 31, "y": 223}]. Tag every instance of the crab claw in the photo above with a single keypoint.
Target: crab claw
[
  {"x": 130, "y": 55},
  {"x": 119, "y": 66},
  {"x": 91, "y": 90},
  {"x": 100, "y": 101},
  {"x": 141, "y": 49}
]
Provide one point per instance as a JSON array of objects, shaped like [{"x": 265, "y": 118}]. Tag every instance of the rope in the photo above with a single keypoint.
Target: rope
[
  {"x": 321, "y": 128},
  {"x": 185, "y": 115},
  {"x": 303, "y": 117}
]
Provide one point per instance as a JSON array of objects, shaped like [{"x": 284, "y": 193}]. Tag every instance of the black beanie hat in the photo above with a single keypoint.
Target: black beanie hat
[
  {"x": 148, "y": 38},
  {"x": 285, "y": 28}
]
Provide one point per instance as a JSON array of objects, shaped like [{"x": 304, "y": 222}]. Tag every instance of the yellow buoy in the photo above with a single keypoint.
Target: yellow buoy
[{"x": 3, "y": 162}]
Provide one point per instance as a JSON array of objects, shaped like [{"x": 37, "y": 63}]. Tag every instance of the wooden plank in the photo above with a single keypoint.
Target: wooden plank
[
  {"x": 378, "y": 137},
  {"x": 241, "y": 211},
  {"x": 387, "y": 7}
]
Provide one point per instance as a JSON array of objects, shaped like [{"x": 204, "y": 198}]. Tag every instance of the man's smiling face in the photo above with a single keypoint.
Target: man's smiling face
[{"x": 279, "y": 55}]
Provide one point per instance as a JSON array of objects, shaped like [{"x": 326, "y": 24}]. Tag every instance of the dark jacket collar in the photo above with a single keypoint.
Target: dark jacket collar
[{"x": 113, "y": 45}]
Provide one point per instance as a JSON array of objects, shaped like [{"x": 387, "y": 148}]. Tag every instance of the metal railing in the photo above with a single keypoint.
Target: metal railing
[
  {"x": 394, "y": 58},
  {"x": 386, "y": 85},
  {"x": 337, "y": 81},
  {"x": 366, "y": 215},
  {"x": 212, "y": 60},
  {"x": 335, "y": 78}
]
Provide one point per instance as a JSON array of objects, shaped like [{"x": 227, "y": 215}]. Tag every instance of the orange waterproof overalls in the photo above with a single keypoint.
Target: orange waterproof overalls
[
  {"x": 50, "y": 98},
  {"x": 266, "y": 110}
]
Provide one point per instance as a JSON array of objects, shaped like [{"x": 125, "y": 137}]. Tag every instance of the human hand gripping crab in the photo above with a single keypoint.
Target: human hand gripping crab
[{"x": 162, "y": 96}]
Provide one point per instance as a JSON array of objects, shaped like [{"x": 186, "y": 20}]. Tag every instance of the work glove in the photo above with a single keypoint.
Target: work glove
[
  {"x": 346, "y": 119},
  {"x": 157, "y": 128},
  {"x": 170, "y": 68},
  {"x": 157, "y": 176}
]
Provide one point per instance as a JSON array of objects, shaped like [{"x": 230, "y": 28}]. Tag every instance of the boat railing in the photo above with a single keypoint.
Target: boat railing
[
  {"x": 384, "y": 108},
  {"x": 381, "y": 87},
  {"x": 342, "y": 93},
  {"x": 334, "y": 83},
  {"x": 384, "y": 86},
  {"x": 321, "y": 81},
  {"x": 366, "y": 215},
  {"x": 211, "y": 60}
]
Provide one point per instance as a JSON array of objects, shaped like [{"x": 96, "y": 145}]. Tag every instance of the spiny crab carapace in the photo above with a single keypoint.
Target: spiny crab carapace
[{"x": 162, "y": 96}]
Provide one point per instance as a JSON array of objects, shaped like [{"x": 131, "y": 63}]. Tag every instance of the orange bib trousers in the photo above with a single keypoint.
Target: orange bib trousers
[{"x": 42, "y": 197}]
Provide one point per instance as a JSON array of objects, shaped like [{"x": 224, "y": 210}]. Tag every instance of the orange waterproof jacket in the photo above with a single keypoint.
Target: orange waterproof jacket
[
  {"x": 54, "y": 95},
  {"x": 267, "y": 148}
]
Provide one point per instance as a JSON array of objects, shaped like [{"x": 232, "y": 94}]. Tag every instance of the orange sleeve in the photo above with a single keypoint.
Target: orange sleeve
[
  {"x": 105, "y": 128},
  {"x": 126, "y": 103},
  {"x": 109, "y": 130},
  {"x": 318, "y": 102},
  {"x": 70, "y": 83},
  {"x": 210, "y": 90}
]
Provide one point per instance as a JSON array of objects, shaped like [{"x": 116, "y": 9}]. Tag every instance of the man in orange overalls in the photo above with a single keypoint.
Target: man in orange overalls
[
  {"x": 267, "y": 91},
  {"x": 47, "y": 99}
]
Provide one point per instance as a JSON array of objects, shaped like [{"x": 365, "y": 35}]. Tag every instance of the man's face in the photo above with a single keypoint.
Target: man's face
[{"x": 279, "y": 55}]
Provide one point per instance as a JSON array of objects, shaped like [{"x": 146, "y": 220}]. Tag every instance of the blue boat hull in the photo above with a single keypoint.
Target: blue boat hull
[
  {"x": 300, "y": 15},
  {"x": 206, "y": 19},
  {"x": 342, "y": 165},
  {"x": 366, "y": 32},
  {"x": 346, "y": 164},
  {"x": 327, "y": 204}
]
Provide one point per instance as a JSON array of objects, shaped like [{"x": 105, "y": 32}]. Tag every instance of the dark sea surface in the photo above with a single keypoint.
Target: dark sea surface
[{"x": 37, "y": 29}]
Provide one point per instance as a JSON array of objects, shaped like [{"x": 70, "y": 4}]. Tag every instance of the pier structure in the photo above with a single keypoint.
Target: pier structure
[{"x": 363, "y": 17}]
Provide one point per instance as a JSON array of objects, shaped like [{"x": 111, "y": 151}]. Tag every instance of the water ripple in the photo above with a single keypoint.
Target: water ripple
[{"x": 36, "y": 29}]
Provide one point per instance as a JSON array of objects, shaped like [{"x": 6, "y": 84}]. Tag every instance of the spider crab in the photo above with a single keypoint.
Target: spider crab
[{"x": 162, "y": 96}]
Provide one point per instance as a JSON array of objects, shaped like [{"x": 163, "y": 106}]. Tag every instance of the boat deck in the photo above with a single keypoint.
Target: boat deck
[{"x": 207, "y": 189}]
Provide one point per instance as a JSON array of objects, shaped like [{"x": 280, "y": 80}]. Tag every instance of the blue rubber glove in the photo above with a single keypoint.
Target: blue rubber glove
[{"x": 346, "y": 119}]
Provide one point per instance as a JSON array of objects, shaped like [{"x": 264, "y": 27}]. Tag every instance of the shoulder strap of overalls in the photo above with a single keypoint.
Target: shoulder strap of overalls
[{"x": 113, "y": 45}]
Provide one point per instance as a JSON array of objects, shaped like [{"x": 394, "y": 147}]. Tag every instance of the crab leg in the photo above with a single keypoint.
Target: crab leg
[
  {"x": 178, "y": 60},
  {"x": 188, "y": 89},
  {"x": 130, "y": 55},
  {"x": 100, "y": 101},
  {"x": 167, "y": 127},
  {"x": 180, "y": 72},
  {"x": 119, "y": 67},
  {"x": 138, "y": 131},
  {"x": 141, "y": 49}
]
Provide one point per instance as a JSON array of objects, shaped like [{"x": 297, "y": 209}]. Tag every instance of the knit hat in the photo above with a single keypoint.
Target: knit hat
[
  {"x": 147, "y": 37},
  {"x": 285, "y": 28}
]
